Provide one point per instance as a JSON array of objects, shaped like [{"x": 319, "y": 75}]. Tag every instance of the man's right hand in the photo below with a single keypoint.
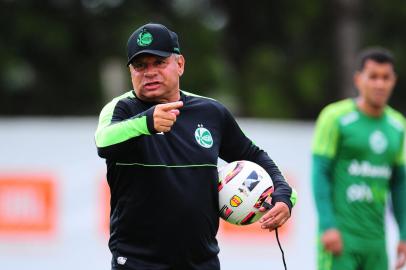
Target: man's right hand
[
  {"x": 165, "y": 115},
  {"x": 331, "y": 240}
]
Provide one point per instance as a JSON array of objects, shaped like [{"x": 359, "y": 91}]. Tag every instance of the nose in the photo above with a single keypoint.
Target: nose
[
  {"x": 150, "y": 70},
  {"x": 380, "y": 83}
]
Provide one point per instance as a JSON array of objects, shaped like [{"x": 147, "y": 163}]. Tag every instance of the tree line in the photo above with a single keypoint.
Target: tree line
[{"x": 270, "y": 59}]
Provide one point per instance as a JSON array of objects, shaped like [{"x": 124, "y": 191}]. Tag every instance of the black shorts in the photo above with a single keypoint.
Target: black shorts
[{"x": 122, "y": 263}]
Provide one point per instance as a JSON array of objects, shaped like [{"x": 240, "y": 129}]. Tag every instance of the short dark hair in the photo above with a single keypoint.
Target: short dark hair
[{"x": 377, "y": 54}]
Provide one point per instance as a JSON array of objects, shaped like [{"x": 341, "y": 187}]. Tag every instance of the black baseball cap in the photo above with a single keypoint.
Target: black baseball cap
[{"x": 152, "y": 38}]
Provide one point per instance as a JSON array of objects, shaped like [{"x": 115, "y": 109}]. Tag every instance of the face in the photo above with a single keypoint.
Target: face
[
  {"x": 375, "y": 83},
  {"x": 155, "y": 78}
]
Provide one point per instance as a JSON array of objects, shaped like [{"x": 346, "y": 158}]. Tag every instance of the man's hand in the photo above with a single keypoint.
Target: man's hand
[
  {"x": 165, "y": 115},
  {"x": 331, "y": 240},
  {"x": 401, "y": 258},
  {"x": 275, "y": 217}
]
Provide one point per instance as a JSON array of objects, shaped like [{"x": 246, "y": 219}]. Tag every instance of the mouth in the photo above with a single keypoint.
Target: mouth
[
  {"x": 380, "y": 93},
  {"x": 152, "y": 85}
]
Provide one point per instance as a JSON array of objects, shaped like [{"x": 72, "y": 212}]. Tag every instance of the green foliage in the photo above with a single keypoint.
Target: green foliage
[
  {"x": 309, "y": 81},
  {"x": 274, "y": 59},
  {"x": 264, "y": 94}
]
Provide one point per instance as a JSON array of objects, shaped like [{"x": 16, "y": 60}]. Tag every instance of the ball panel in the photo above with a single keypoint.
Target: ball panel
[
  {"x": 230, "y": 174},
  {"x": 225, "y": 212},
  {"x": 267, "y": 193},
  {"x": 248, "y": 219}
]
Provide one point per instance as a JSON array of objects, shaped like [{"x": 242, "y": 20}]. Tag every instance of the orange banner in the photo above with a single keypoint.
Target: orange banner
[{"x": 27, "y": 204}]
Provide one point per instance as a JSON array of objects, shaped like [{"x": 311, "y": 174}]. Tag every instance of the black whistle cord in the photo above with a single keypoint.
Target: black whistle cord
[
  {"x": 280, "y": 247},
  {"x": 269, "y": 206}
]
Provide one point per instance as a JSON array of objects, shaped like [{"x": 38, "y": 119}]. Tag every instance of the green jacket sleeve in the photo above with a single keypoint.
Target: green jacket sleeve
[
  {"x": 322, "y": 191},
  {"x": 324, "y": 148},
  {"x": 117, "y": 126},
  {"x": 398, "y": 192},
  {"x": 398, "y": 187}
]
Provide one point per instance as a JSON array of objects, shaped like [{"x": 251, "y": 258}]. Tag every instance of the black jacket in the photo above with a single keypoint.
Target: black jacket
[{"x": 164, "y": 198}]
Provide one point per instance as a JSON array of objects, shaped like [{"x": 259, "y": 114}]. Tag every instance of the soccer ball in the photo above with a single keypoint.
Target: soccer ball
[{"x": 243, "y": 187}]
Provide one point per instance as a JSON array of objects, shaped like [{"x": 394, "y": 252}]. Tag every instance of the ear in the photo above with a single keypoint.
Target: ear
[
  {"x": 357, "y": 78},
  {"x": 130, "y": 68},
  {"x": 181, "y": 65}
]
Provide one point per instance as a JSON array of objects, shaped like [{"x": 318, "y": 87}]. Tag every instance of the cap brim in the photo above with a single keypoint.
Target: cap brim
[{"x": 153, "y": 52}]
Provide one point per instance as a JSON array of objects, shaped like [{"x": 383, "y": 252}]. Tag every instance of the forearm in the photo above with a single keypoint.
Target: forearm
[
  {"x": 112, "y": 138},
  {"x": 322, "y": 191},
  {"x": 398, "y": 192},
  {"x": 282, "y": 191}
]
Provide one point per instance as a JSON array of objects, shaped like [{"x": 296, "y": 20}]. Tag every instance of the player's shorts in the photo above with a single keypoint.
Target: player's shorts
[
  {"x": 355, "y": 256},
  {"x": 122, "y": 263}
]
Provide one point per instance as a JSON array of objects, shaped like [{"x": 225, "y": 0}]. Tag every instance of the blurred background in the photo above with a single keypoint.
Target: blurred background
[{"x": 275, "y": 64}]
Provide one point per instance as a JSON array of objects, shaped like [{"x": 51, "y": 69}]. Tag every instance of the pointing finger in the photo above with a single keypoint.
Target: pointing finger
[
  {"x": 175, "y": 112},
  {"x": 170, "y": 106}
]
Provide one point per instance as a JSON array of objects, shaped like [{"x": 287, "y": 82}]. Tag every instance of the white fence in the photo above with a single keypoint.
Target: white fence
[{"x": 54, "y": 202}]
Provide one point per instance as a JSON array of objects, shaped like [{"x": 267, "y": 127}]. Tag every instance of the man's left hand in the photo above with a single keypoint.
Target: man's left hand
[{"x": 275, "y": 217}]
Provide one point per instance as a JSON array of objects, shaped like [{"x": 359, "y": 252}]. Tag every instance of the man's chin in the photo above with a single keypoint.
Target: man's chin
[
  {"x": 153, "y": 96},
  {"x": 153, "y": 93},
  {"x": 379, "y": 104}
]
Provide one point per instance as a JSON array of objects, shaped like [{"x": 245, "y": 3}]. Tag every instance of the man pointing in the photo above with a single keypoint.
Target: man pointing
[{"x": 162, "y": 178}]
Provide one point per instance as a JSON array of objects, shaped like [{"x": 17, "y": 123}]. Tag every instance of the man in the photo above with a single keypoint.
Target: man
[
  {"x": 161, "y": 146},
  {"x": 358, "y": 158}
]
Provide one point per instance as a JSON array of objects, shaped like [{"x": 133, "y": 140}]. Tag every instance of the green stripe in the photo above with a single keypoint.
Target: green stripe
[
  {"x": 293, "y": 197},
  {"x": 122, "y": 131},
  {"x": 194, "y": 95},
  {"x": 397, "y": 120},
  {"x": 326, "y": 129},
  {"x": 108, "y": 134},
  {"x": 165, "y": 166},
  {"x": 107, "y": 112}
]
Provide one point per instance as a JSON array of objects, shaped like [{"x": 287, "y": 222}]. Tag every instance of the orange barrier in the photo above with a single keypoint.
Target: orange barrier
[{"x": 27, "y": 204}]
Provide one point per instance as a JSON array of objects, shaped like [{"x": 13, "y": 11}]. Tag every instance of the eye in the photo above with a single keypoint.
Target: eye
[
  {"x": 138, "y": 66},
  {"x": 160, "y": 63},
  {"x": 373, "y": 76},
  {"x": 386, "y": 77}
]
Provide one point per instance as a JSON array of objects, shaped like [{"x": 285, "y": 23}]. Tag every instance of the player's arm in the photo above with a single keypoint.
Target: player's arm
[
  {"x": 117, "y": 129},
  {"x": 282, "y": 191},
  {"x": 236, "y": 146},
  {"x": 325, "y": 140},
  {"x": 398, "y": 191},
  {"x": 324, "y": 149}
]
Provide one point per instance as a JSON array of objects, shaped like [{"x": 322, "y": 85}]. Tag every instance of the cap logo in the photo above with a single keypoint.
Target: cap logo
[{"x": 144, "y": 38}]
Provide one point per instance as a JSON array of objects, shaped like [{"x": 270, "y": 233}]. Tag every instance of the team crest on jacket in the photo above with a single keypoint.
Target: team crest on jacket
[
  {"x": 378, "y": 142},
  {"x": 203, "y": 136}
]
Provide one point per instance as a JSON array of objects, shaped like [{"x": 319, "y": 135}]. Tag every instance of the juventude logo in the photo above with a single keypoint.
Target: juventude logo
[
  {"x": 378, "y": 142},
  {"x": 144, "y": 38},
  {"x": 203, "y": 136}
]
